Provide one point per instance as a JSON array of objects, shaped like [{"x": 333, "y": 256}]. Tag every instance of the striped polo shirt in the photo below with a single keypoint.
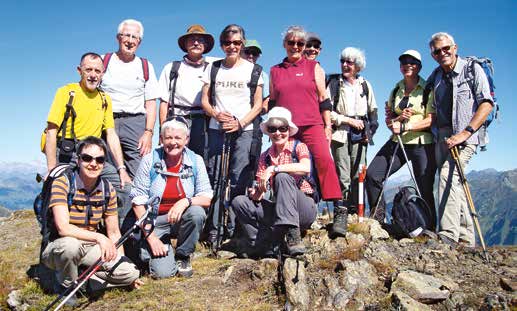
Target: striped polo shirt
[{"x": 78, "y": 213}]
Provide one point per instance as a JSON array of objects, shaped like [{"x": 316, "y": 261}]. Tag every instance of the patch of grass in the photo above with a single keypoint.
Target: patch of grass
[{"x": 361, "y": 228}]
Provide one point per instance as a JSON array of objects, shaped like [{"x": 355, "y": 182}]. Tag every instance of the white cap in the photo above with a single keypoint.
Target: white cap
[
  {"x": 413, "y": 54},
  {"x": 279, "y": 113}
]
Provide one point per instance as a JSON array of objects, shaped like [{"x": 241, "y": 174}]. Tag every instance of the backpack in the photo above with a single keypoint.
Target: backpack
[
  {"x": 311, "y": 179},
  {"x": 371, "y": 124},
  {"x": 173, "y": 75},
  {"x": 488, "y": 67},
  {"x": 410, "y": 214},
  {"x": 145, "y": 65},
  {"x": 42, "y": 201},
  {"x": 157, "y": 166}
]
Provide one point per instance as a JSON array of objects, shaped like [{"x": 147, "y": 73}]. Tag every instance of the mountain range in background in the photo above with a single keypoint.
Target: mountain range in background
[{"x": 494, "y": 194}]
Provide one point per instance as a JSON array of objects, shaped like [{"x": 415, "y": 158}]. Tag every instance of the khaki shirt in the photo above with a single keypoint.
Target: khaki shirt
[{"x": 419, "y": 112}]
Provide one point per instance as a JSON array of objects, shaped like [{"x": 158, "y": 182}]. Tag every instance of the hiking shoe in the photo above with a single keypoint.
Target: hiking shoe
[
  {"x": 184, "y": 267},
  {"x": 446, "y": 240},
  {"x": 294, "y": 243},
  {"x": 339, "y": 225},
  {"x": 72, "y": 301}
]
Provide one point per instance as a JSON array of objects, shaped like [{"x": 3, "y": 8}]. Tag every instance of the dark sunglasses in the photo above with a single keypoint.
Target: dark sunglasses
[
  {"x": 179, "y": 119},
  {"x": 272, "y": 129},
  {"x": 312, "y": 45},
  {"x": 297, "y": 43},
  {"x": 443, "y": 49},
  {"x": 254, "y": 53},
  {"x": 88, "y": 158},
  {"x": 234, "y": 42},
  {"x": 409, "y": 61},
  {"x": 347, "y": 61}
]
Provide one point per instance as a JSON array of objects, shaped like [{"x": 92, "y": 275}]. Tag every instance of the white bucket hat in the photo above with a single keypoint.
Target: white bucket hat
[
  {"x": 413, "y": 54},
  {"x": 279, "y": 113}
]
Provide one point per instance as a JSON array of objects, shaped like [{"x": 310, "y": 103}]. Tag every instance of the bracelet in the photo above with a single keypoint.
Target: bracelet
[
  {"x": 122, "y": 167},
  {"x": 149, "y": 130}
]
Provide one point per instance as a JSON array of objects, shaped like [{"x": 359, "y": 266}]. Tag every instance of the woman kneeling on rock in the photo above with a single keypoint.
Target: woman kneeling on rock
[{"x": 281, "y": 205}]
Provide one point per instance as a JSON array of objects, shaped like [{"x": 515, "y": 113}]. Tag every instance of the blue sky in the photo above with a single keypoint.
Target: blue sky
[{"x": 41, "y": 42}]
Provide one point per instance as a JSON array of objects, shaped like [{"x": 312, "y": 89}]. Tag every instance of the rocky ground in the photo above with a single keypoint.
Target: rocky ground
[{"x": 366, "y": 270}]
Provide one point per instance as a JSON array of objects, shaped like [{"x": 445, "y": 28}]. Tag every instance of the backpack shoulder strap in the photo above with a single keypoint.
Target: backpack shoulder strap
[
  {"x": 333, "y": 84},
  {"x": 69, "y": 111},
  {"x": 145, "y": 68},
  {"x": 173, "y": 75},
  {"x": 192, "y": 157},
  {"x": 393, "y": 94},
  {"x": 72, "y": 186},
  {"x": 106, "y": 194},
  {"x": 156, "y": 165},
  {"x": 106, "y": 60},
  {"x": 366, "y": 92},
  {"x": 255, "y": 75},
  {"x": 213, "y": 74},
  {"x": 294, "y": 155},
  {"x": 429, "y": 85},
  {"x": 103, "y": 98}
]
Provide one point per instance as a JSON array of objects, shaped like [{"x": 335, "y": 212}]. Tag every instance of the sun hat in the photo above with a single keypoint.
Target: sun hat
[
  {"x": 196, "y": 30},
  {"x": 279, "y": 113},
  {"x": 413, "y": 54},
  {"x": 253, "y": 44}
]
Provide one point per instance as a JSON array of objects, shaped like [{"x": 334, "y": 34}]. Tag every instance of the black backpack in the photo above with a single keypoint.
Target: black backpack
[
  {"x": 410, "y": 214},
  {"x": 41, "y": 203}
]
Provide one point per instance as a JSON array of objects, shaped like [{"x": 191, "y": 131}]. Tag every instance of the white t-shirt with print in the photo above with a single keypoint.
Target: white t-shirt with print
[
  {"x": 232, "y": 92},
  {"x": 125, "y": 84}
]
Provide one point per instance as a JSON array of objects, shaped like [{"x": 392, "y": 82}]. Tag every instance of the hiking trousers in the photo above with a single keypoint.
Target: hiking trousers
[
  {"x": 66, "y": 254},
  {"x": 130, "y": 128},
  {"x": 291, "y": 208},
  {"x": 455, "y": 219}
]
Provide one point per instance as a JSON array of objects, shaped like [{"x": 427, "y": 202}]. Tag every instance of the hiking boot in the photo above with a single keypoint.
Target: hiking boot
[
  {"x": 184, "y": 267},
  {"x": 294, "y": 243},
  {"x": 339, "y": 225},
  {"x": 72, "y": 301},
  {"x": 449, "y": 241}
]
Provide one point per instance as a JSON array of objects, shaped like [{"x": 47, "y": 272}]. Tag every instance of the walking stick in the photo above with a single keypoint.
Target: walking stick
[
  {"x": 224, "y": 194},
  {"x": 463, "y": 179},
  {"x": 379, "y": 198},
  {"x": 144, "y": 223}
]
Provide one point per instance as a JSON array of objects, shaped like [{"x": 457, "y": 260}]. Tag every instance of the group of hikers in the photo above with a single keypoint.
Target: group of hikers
[{"x": 212, "y": 181}]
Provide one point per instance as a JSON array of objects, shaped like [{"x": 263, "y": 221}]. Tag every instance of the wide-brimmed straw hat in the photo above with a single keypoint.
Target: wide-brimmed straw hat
[
  {"x": 197, "y": 30},
  {"x": 279, "y": 113}
]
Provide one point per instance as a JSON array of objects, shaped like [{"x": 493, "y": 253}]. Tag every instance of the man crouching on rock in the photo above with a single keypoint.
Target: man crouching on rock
[
  {"x": 284, "y": 169},
  {"x": 75, "y": 241}
]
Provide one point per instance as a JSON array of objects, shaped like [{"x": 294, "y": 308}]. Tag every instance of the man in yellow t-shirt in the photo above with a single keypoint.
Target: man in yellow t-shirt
[{"x": 93, "y": 116}]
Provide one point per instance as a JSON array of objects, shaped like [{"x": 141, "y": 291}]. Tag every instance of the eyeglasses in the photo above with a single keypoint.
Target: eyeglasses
[
  {"x": 444, "y": 49},
  {"x": 299, "y": 44},
  {"x": 347, "y": 61},
  {"x": 252, "y": 52},
  {"x": 199, "y": 39},
  {"x": 312, "y": 45},
  {"x": 234, "y": 42},
  {"x": 129, "y": 36},
  {"x": 272, "y": 129},
  {"x": 410, "y": 61},
  {"x": 88, "y": 158}
]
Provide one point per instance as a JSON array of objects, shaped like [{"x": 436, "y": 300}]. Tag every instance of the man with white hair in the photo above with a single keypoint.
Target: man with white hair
[
  {"x": 131, "y": 83},
  {"x": 354, "y": 120},
  {"x": 462, "y": 100}
]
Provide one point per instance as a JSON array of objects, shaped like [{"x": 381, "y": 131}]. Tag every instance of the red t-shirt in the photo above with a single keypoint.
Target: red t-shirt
[
  {"x": 173, "y": 191},
  {"x": 294, "y": 88}
]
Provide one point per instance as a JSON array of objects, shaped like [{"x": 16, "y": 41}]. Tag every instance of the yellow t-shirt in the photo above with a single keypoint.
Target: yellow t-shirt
[
  {"x": 91, "y": 118},
  {"x": 419, "y": 112}
]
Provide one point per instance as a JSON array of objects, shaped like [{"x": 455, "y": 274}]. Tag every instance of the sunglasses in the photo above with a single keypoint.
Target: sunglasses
[
  {"x": 272, "y": 129},
  {"x": 234, "y": 42},
  {"x": 313, "y": 45},
  {"x": 179, "y": 119},
  {"x": 347, "y": 61},
  {"x": 199, "y": 39},
  {"x": 409, "y": 62},
  {"x": 444, "y": 49},
  {"x": 251, "y": 52},
  {"x": 297, "y": 43},
  {"x": 88, "y": 158}
]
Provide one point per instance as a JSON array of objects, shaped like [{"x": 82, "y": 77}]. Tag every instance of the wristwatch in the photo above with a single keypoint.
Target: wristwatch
[
  {"x": 276, "y": 169},
  {"x": 470, "y": 129}
]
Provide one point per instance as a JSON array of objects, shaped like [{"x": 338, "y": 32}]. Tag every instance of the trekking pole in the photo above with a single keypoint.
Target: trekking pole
[
  {"x": 399, "y": 139},
  {"x": 379, "y": 198},
  {"x": 360, "y": 201},
  {"x": 463, "y": 179},
  {"x": 224, "y": 199},
  {"x": 144, "y": 223}
]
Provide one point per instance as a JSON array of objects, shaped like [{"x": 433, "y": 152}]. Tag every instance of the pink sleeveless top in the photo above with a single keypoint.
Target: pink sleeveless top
[{"x": 295, "y": 89}]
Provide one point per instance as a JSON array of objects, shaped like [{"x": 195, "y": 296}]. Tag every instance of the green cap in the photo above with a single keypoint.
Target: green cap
[{"x": 253, "y": 43}]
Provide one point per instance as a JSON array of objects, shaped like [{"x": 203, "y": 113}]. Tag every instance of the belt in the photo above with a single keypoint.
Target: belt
[
  {"x": 117, "y": 115},
  {"x": 194, "y": 116}
]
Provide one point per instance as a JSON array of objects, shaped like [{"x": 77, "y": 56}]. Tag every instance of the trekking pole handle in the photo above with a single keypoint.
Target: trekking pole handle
[{"x": 147, "y": 221}]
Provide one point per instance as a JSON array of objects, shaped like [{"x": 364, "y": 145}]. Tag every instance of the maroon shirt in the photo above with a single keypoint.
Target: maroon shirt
[{"x": 295, "y": 89}]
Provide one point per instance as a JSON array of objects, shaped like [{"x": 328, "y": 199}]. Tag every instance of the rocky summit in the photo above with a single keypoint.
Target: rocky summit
[{"x": 366, "y": 270}]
